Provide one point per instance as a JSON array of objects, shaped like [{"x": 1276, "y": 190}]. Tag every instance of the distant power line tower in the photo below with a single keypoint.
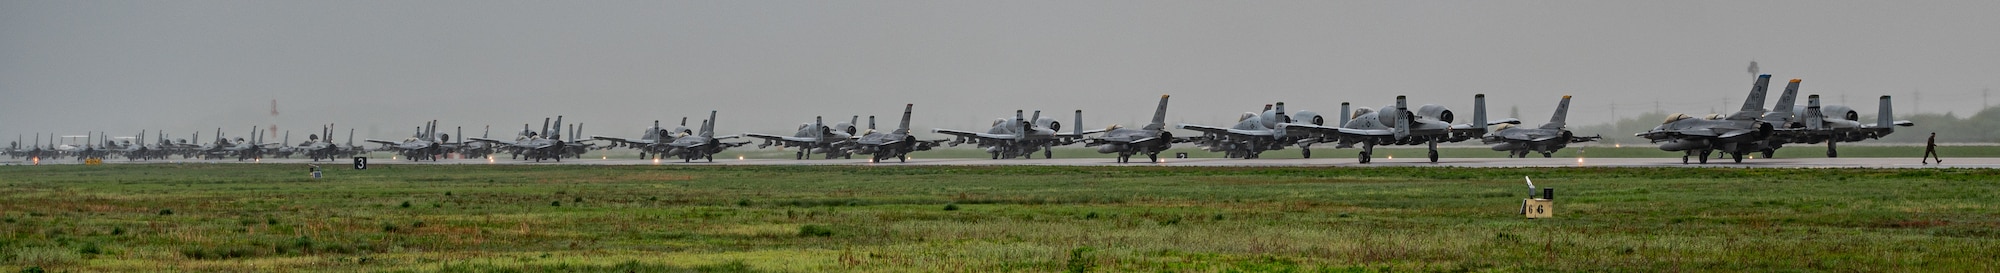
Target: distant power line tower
[{"x": 273, "y": 133}]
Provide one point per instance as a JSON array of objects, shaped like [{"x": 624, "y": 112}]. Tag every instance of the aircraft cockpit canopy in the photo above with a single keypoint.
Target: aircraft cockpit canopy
[{"x": 1675, "y": 117}]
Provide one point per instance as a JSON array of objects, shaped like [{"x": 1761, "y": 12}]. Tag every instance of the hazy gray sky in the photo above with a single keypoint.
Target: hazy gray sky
[{"x": 387, "y": 66}]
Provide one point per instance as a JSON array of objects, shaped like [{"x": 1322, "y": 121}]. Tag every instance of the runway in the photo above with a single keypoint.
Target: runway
[{"x": 1192, "y": 162}]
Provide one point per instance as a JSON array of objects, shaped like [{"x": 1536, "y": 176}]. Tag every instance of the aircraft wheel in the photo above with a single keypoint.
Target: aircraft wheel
[
  {"x": 1737, "y": 156},
  {"x": 1548, "y": 154},
  {"x": 642, "y": 155},
  {"x": 1684, "y": 160},
  {"x": 1307, "y": 153},
  {"x": 996, "y": 155},
  {"x": 1434, "y": 156},
  {"x": 1364, "y": 157},
  {"x": 1154, "y": 157},
  {"x": 711, "y": 158},
  {"x": 902, "y": 158},
  {"x": 801, "y": 155},
  {"x": 1048, "y": 153},
  {"x": 1704, "y": 156}
]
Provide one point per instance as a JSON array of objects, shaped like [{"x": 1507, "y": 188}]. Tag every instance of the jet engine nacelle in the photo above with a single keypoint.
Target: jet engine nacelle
[
  {"x": 1840, "y": 112},
  {"x": 1436, "y": 112},
  {"x": 1308, "y": 117}
]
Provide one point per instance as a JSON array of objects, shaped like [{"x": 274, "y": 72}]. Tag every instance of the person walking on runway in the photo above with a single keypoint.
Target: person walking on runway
[{"x": 1930, "y": 150}]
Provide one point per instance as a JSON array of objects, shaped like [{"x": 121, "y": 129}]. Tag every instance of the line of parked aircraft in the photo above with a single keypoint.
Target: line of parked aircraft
[{"x": 1750, "y": 130}]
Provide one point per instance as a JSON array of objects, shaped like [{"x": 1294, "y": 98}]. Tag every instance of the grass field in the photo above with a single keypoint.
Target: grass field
[
  {"x": 1644, "y": 151},
  {"x": 430, "y": 218}
]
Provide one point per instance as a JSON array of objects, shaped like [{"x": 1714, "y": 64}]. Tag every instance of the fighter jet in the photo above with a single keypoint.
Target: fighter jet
[
  {"x": 478, "y": 149},
  {"x": 84, "y": 151},
  {"x": 895, "y": 144},
  {"x": 1021, "y": 137},
  {"x": 1547, "y": 139},
  {"x": 1396, "y": 124},
  {"x": 1255, "y": 133},
  {"x": 423, "y": 145},
  {"x": 1834, "y": 124},
  {"x": 1739, "y": 133},
  {"x": 815, "y": 138},
  {"x": 703, "y": 144},
  {"x": 284, "y": 150},
  {"x": 248, "y": 149},
  {"x": 547, "y": 145},
  {"x": 16, "y": 150},
  {"x": 653, "y": 141},
  {"x": 317, "y": 147},
  {"x": 1149, "y": 140},
  {"x": 137, "y": 149}
]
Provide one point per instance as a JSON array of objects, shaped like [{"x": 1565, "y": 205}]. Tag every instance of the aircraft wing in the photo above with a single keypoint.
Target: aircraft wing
[
  {"x": 383, "y": 142},
  {"x": 786, "y": 139},
  {"x": 967, "y": 134},
  {"x": 1079, "y": 135},
  {"x": 622, "y": 140},
  {"x": 1222, "y": 131},
  {"x": 1582, "y": 139}
]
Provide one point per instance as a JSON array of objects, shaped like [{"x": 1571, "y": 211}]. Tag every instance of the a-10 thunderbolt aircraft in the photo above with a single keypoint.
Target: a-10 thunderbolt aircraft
[
  {"x": 815, "y": 138},
  {"x": 1396, "y": 124},
  {"x": 1813, "y": 123},
  {"x": 703, "y": 144},
  {"x": 546, "y": 145},
  {"x": 653, "y": 141},
  {"x": 1149, "y": 140},
  {"x": 1836, "y": 123},
  {"x": 424, "y": 145},
  {"x": 1547, "y": 139},
  {"x": 1255, "y": 133},
  {"x": 895, "y": 144},
  {"x": 1738, "y": 134},
  {"x": 1021, "y": 136}
]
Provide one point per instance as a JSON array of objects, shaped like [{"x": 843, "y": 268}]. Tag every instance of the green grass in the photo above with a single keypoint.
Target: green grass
[
  {"x": 1327, "y": 151},
  {"x": 258, "y": 217}
]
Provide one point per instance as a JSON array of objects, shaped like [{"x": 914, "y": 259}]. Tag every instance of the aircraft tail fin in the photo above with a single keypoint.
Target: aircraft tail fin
[
  {"x": 1159, "y": 116},
  {"x": 708, "y": 127},
  {"x": 1077, "y": 128},
  {"x": 1561, "y": 117},
  {"x": 1886, "y": 119},
  {"x": 1402, "y": 126},
  {"x": 1757, "y": 93},
  {"x": 818, "y": 130},
  {"x": 1281, "y": 118},
  {"x": 904, "y": 126},
  {"x": 1018, "y": 120},
  {"x": 1813, "y": 117},
  {"x": 1787, "y": 99},
  {"x": 545, "y": 127},
  {"x": 1036, "y": 118},
  {"x": 1479, "y": 111},
  {"x": 1344, "y": 114},
  {"x": 871, "y": 123}
]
